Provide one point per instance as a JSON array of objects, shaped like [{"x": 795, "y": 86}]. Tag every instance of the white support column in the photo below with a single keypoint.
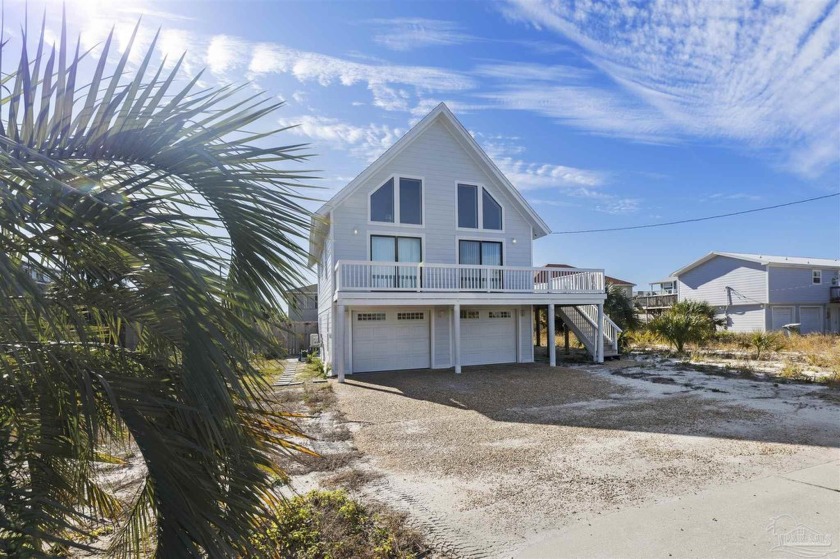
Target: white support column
[
  {"x": 340, "y": 322},
  {"x": 348, "y": 365},
  {"x": 551, "y": 342},
  {"x": 517, "y": 326},
  {"x": 600, "y": 342},
  {"x": 456, "y": 320}
]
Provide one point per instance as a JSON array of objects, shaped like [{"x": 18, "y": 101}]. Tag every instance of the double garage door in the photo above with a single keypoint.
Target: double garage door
[
  {"x": 810, "y": 318},
  {"x": 395, "y": 339}
]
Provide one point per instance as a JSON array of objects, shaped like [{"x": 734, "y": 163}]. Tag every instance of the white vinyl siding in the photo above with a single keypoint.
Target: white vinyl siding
[
  {"x": 724, "y": 281},
  {"x": 441, "y": 161},
  {"x": 743, "y": 318}
]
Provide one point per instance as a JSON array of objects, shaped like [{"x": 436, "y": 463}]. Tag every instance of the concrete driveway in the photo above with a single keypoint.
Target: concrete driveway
[{"x": 621, "y": 460}]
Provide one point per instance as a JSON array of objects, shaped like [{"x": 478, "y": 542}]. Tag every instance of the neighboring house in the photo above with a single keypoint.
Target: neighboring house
[
  {"x": 302, "y": 318},
  {"x": 424, "y": 261},
  {"x": 667, "y": 286},
  {"x": 759, "y": 292},
  {"x": 624, "y": 286},
  {"x": 303, "y": 304},
  {"x": 661, "y": 297}
]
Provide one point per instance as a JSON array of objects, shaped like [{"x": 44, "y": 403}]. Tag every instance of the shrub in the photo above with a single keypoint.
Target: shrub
[
  {"x": 686, "y": 322},
  {"x": 643, "y": 337},
  {"x": 328, "y": 524},
  {"x": 791, "y": 371},
  {"x": 762, "y": 341}
]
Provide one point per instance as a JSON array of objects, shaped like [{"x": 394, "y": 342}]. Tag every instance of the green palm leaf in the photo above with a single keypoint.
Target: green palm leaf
[{"x": 129, "y": 197}]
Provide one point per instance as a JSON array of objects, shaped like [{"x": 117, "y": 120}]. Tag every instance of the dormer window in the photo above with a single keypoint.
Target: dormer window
[
  {"x": 471, "y": 213},
  {"x": 403, "y": 204}
]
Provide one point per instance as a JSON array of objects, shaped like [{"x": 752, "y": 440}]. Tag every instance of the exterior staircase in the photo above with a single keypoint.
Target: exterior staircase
[{"x": 583, "y": 321}]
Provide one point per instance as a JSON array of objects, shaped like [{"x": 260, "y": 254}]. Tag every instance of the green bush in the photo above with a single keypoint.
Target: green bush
[
  {"x": 687, "y": 322},
  {"x": 330, "y": 525},
  {"x": 317, "y": 365},
  {"x": 762, "y": 341}
]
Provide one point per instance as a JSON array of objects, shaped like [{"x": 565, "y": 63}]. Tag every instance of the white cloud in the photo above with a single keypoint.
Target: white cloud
[
  {"x": 520, "y": 72},
  {"x": 327, "y": 70},
  {"x": 367, "y": 141},
  {"x": 533, "y": 176},
  {"x": 225, "y": 53},
  {"x": 403, "y": 34},
  {"x": 767, "y": 75}
]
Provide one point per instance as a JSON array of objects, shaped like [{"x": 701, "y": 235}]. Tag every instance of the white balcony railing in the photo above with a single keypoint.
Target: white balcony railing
[{"x": 422, "y": 277}]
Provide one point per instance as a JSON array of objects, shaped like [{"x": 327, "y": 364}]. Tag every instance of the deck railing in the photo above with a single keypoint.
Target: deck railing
[
  {"x": 660, "y": 301},
  {"x": 834, "y": 294},
  {"x": 421, "y": 277}
]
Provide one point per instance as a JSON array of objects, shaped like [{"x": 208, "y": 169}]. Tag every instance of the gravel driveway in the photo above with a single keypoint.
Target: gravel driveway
[{"x": 489, "y": 461}]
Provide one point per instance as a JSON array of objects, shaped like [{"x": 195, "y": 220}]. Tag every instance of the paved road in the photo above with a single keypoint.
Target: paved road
[{"x": 794, "y": 514}]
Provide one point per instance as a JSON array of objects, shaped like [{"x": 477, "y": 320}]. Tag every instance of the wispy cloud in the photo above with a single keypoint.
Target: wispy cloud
[
  {"x": 327, "y": 70},
  {"x": 552, "y": 184},
  {"x": 522, "y": 72},
  {"x": 506, "y": 152},
  {"x": 764, "y": 74},
  {"x": 366, "y": 141},
  {"x": 403, "y": 34}
]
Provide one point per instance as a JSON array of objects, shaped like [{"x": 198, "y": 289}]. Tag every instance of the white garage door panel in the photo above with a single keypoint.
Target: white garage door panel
[
  {"x": 782, "y": 316},
  {"x": 391, "y": 340},
  {"x": 486, "y": 340},
  {"x": 810, "y": 319}
]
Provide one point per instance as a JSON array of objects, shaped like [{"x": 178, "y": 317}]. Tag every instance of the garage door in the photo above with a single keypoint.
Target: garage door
[
  {"x": 811, "y": 319},
  {"x": 488, "y": 336},
  {"x": 391, "y": 340},
  {"x": 782, "y": 316}
]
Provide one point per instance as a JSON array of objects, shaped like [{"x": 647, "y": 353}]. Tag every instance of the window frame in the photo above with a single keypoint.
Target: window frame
[
  {"x": 395, "y": 236},
  {"x": 478, "y": 240},
  {"x": 481, "y": 189},
  {"x": 397, "y": 223},
  {"x": 816, "y": 275}
]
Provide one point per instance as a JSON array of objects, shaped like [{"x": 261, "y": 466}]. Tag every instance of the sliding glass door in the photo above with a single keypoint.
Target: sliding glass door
[
  {"x": 480, "y": 253},
  {"x": 386, "y": 248}
]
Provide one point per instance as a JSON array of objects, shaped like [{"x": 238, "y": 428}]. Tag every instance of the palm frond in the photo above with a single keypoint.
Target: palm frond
[{"x": 128, "y": 197}]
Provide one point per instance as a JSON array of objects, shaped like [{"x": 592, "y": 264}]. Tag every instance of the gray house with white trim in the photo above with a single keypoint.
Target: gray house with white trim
[
  {"x": 425, "y": 261},
  {"x": 759, "y": 292}
]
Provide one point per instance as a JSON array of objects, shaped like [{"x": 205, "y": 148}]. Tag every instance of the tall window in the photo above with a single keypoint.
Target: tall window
[
  {"x": 387, "y": 248},
  {"x": 480, "y": 253},
  {"x": 467, "y": 206},
  {"x": 816, "y": 277},
  {"x": 472, "y": 215},
  {"x": 403, "y": 204},
  {"x": 492, "y": 218},
  {"x": 411, "y": 201},
  {"x": 382, "y": 203}
]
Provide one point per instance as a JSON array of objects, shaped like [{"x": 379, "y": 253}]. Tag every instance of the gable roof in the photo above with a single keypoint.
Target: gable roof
[
  {"x": 608, "y": 279},
  {"x": 764, "y": 260},
  {"x": 465, "y": 139}
]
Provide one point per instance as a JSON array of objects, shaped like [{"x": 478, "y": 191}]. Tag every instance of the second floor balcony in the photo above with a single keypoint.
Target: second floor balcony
[
  {"x": 834, "y": 294},
  {"x": 362, "y": 276}
]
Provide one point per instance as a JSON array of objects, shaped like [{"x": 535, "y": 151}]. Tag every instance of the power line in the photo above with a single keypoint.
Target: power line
[{"x": 693, "y": 220}]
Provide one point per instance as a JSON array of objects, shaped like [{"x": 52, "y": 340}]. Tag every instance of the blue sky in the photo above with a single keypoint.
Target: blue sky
[{"x": 603, "y": 115}]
